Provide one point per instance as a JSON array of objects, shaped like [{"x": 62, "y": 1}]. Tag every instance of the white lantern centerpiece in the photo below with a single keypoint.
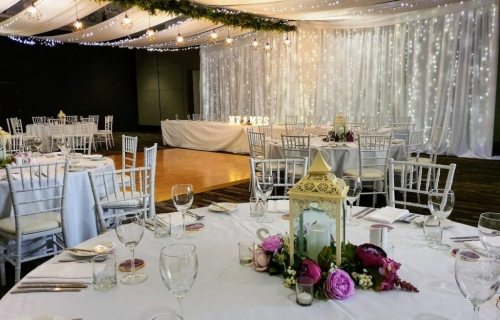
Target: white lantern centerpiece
[
  {"x": 4, "y": 139},
  {"x": 322, "y": 187}
]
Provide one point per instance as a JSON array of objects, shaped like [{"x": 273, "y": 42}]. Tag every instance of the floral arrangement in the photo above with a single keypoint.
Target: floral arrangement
[
  {"x": 225, "y": 17},
  {"x": 365, "y": 266}
]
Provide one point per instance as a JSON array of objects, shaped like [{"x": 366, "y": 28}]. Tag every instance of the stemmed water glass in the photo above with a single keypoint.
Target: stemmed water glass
[
  {"x": 440, "y": 204},
  {"x": 189, "y": 117},
  {"x": 489, "y": 232},
  {"x": 182, "y": 197},
  {"x": 354, "y": 184},
  {"x": 476, "y": 277},
  {"x": 264, "y": 188},
  {"x": 37, "y": 143},
  {"x": 129, "y": 227},
  {"x": 178, "y": 269}
]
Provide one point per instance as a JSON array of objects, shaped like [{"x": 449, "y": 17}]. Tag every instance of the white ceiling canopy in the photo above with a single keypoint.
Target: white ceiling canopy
[{"x": 6, "y": 4}]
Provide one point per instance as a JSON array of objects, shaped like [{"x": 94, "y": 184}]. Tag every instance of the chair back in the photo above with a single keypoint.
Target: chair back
[
  {"x": 267, "y": 130},
  {"x": 402, "y": 120},
  {"x": 298, "y": 147},
  {"x": 313, "y": 121},
  {"x": 83, "y": 128},
  {"x": 129, "y": 151},
  {"x": 8, "y": 126},
  {"x": 357, "y": 127},
  {"x": 291, "y": 119},
  {"x": 56, "y": 122},
  {"x": 196, "y": 117},
  {"x": 87, "y": 120},
  {"x": 16, "y": 126},
  {"x": 295, "y": 128},
  {"x": 150, "y": 161},
  {"x": 417, "y": 179},
  {"x": 80, "y": 142},
  {"x": 373, "y": 154},
  {"x": 402, "y": 131},
  {"x": 38, "y": 119},
  {"x": 257, "y": 144},
  {"x": 72, "y": 119},
  {"x": 56, "y": 129},
  {"x": 372, "y": 123},
  {"x": 414, "y": 145},
  {"x": 435, "y": 141},
  {"x": 15, "y": 144},
  {"x": 108, "y": 194},
  {"x": 285, "y": 173},
  {"x": 108, "y": 123},
  {"x": 95, "y": 118}
]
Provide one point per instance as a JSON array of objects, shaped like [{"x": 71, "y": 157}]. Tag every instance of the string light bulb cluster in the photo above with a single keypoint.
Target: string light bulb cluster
[
  {"x": 214, "y": 37},
  {"x": 179, "y": 40},
  {"x": 150, "y": 33},
  {"x": 267, "y": 47},
  {"x": 229, "y": 41},
  {"x": 287, "y": 43},
  {"x": 127, "y": 22},
  {"x": 33, "y": 13},
  {"x": 255, "y": 44},
  {"x": 77, "y": 25}
]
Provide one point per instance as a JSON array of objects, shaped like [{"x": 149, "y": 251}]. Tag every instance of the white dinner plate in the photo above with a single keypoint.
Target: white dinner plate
[
  {"x": 99, "y": 159},
  {"x": 40, "y": 316},
  {"x": 229, "y": 206},
  {"x": 100, "y": 246},
  {"x": 446, "y": 223}
]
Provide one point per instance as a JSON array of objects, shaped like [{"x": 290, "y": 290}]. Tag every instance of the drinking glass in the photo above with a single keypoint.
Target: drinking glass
[
  {"x": 264, "y": 188},
  {"x": 178, "y": 269},
  {"x": 182, "y": 197},
  {"x": 61, "y": 143},
  {"x": 189, "y": 117},
  {"x": 37, "y": 143},
  {"x": 129, "y": 227},
  {"x": 176, "y": 117},
  {"x": 476, "y": 277},
  {"x": 354, "y": 184},
  {"x": 440, "y": 204},
  {"x": 489, "y": 232}
]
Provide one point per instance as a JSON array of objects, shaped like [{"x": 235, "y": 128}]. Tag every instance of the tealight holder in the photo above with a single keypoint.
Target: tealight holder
[{"x": 304, "y": 288}]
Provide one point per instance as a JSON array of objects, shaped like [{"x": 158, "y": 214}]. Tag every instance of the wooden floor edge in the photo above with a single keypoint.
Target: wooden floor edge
[{"x": 218, "y": 186}]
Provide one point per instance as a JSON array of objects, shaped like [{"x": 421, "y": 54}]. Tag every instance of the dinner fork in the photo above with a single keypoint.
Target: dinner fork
[{"x": 194, "y": 215}]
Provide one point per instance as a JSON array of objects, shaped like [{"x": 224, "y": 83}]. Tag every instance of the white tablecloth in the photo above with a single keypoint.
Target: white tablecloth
[
  {"x": 43, "y": 132},
  {"x": 226, "y": 290},
  {"x": 79, "y": 202},
  {"x": 213, "y": 136},
  {"x": 341, "y": 155}
]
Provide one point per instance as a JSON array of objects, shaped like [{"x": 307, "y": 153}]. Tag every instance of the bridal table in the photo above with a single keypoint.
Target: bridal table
[
  {"x": 226, "y": 290},
  {"x": 79, "y": 201},
  {"x": 43, "y": 132}
]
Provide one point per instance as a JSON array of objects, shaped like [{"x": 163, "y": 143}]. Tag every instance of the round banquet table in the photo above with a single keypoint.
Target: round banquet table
[
  {"x": 79, "y": 202},
  {"x": 224, "y": 289},
  {"x": 43, "y": 132}
]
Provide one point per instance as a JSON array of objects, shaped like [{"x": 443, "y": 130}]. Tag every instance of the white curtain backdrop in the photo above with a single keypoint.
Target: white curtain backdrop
[{"x": 438, "y": 65}]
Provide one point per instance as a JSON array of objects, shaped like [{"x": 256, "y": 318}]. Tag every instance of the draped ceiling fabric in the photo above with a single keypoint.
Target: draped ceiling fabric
[{"x": 435, "y": 60}]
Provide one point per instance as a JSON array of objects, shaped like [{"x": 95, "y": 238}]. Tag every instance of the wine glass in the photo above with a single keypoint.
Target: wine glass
[
  {"x": 264, "y": 188},
  {"x": 178, "y": 269},
  {"x": 182, "y": 197},
  {"x": 61, "y": 144},
  {"x": 489, "y": 232},
  {"x": 476, "y": 277},
  {"x": 354, "y": 184},
  {"x": 37, "y": 143},
  {"x": 189, "y": 117},
  {"x": 129, "y": 227},
  {"x": 440, "y": 204}
]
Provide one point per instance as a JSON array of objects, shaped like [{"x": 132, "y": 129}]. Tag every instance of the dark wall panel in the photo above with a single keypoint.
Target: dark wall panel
[{"x": 80, "y": 80}]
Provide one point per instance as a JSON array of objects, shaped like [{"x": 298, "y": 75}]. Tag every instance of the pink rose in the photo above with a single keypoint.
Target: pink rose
[
  {"x": 370, "y": 255},
  {"x": 339, "y": 285},
  {"x": 310, "y": 269},
  {"x": 261, "y": 259},
  {"x": 272, "y": 244}
]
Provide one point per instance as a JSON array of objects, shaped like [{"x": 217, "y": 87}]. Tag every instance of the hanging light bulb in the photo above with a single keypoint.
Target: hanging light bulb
[
  {"x": 287, "y": 42},
  {"x": 33, "y": 13},
  {"x": 150, "y": 33},
  {"x": 229, "y": 41},
  {"x": 77, "y": 25},
  {"x": 214, "y": 37},
  {"x": 255, "y": 44},
  {"x": 127, "y": 22},
  {"x": 267, "y": 47},
  {"x": 179, "y": 40}
]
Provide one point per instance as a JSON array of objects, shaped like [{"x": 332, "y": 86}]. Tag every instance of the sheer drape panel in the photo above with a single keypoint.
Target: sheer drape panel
[{"x": 440, "y": 70}]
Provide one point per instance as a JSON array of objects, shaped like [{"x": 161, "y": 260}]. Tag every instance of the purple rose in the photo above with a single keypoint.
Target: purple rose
[
  {"x": 370, "y": 255},
  {"x": 261, "y": 259},
  {"x": 310, "y": 269},
  {"x": 272, "y": 244},
  {"x": 339, "y": 285}
]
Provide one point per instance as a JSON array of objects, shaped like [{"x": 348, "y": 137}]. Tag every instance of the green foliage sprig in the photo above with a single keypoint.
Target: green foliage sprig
[{"x": 216, "y": 15}]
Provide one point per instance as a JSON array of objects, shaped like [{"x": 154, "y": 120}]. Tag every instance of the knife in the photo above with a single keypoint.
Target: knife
[
  {"x": 358, "y": 213},
  {"x": 87, "y": 250},
  {"x": 469, "y": 237},
  {"x": 26, "y": 285},
  {"x": 366, "y": 213},
  {"x": 29, "y": 290}
]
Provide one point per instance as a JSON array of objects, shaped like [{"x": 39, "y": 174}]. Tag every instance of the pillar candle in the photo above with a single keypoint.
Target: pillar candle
[{"x": 318, "y": 237}]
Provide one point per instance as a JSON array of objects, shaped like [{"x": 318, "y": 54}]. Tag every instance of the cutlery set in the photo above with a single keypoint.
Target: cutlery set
[
  {"x": 363, "y": 213},
  {"x": 220, "y": 206},
  {"x": 28, "y": 287},
  {"x": 465, "y": 239}
]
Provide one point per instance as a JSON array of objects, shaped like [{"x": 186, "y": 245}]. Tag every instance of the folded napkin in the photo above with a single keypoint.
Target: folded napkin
[
  {"x": 397, "y": 141},
  {"x": 384, "y": 130},
  {"x": 386, "y": 215},
  {"x": 476, "y": 246},
  {"x": 176, "y": 219},
  {"x": 62, "y": 273},
  {"x": 277, "y": 206},
  {"x": 92, "y": 156}
]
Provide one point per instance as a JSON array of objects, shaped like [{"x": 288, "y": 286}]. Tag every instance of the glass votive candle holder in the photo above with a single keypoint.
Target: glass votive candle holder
[
  {"x": 304, "y": 289},
  {"x": 246, "y": 249}
]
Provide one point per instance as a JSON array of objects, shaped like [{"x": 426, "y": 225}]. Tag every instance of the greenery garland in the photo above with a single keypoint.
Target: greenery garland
[{"x": 197, "y": 11}]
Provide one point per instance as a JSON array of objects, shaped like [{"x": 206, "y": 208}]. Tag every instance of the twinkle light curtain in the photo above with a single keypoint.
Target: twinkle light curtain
[{"x": 439, "y": 66}]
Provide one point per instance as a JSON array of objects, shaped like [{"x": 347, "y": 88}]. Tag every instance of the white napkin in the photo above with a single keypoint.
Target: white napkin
[
  {"x": 476, "y": 246},
  {"x": 386, "y": 215},
  {"x": 62, "y": 273},
  {"x": 176, "y": 219},
  {"x": 384, "y": 130},
  {"x": 92, "y": 156},
  {"x": 277, "y": 206}
]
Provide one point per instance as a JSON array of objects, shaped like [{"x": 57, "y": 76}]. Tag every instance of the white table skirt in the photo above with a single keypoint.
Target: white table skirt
[
  {"x": 213, "y": 136},
  {"x": 226, "y": 290},
  {"x": 341, "y": 155},
  {"x": 80, "y": 204},
  {"x": 43, "y": 132}
]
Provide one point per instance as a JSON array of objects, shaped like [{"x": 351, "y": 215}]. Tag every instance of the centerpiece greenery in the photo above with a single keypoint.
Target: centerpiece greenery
[{"x": 226, "y": 17}]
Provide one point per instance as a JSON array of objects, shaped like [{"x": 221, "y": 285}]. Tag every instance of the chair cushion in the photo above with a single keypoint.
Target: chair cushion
[
  {"x": 126, "y": 179},
  {"x": 420, "y": 160},
  {"x": 398, "y": 168},
  {"x": 116, "y": 200},
  {"x": 32, "y": 223},
  {"x": 368, "y": 173}
]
